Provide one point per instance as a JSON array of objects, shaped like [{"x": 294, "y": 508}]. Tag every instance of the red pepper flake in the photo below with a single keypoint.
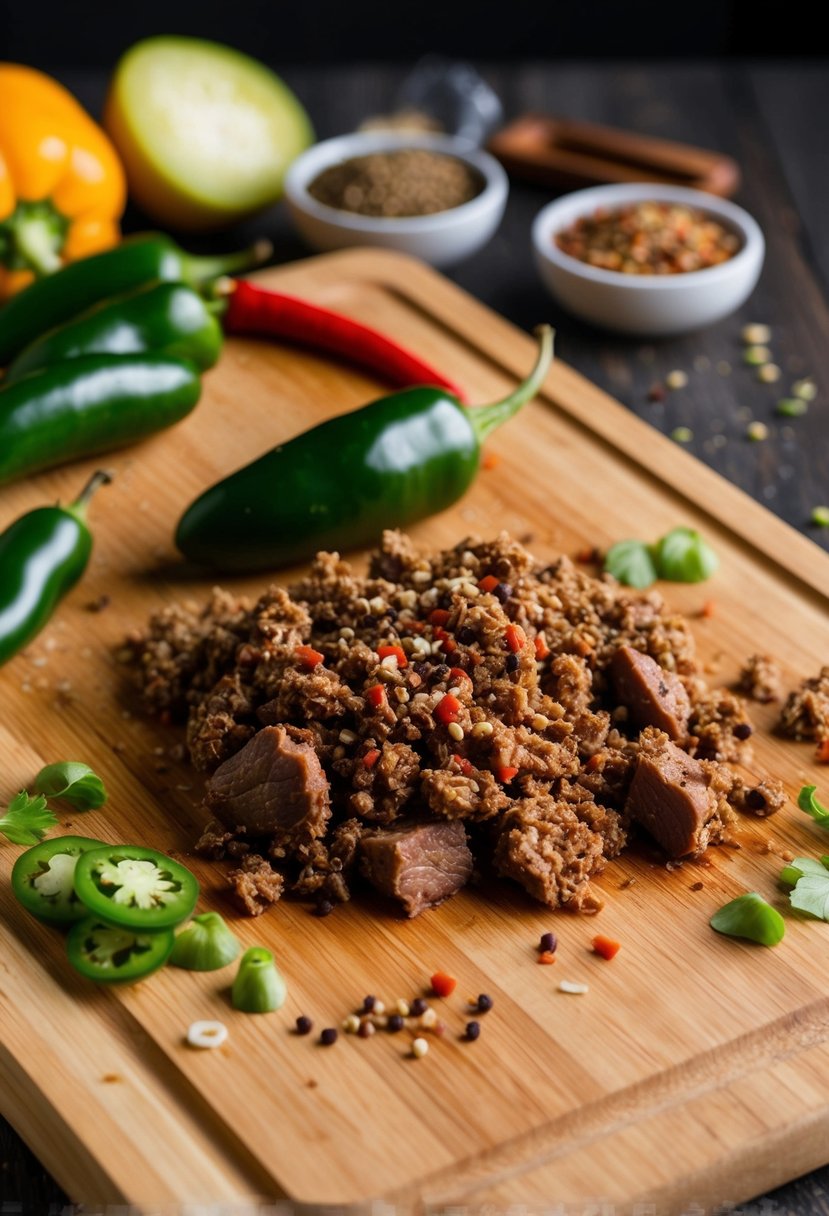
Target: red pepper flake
[
  {"x": 515, "y": 637},
  {"x": 488, "y": 583},
  {"x": 588, "y": 556},
  {"x": 439, "y": 617},
  {"x": 542, "y": 650},
  {"x": 822, "y": 754},
  {"x": 593, "y": 763},
  {"x": 449, "y": 646},
  {"x": 464, "y": 765},
  {"x": 458, "y": 673},
  {"x": 309, "y": 657},
  {"x": 605, "y": 946},
  {"x": 506, "y": 773},
  {"x": 490, "y": 461},
  {"x": 398, "y": 652},
  {"x": 376, "y": 696},
  {"x": 546, "y": 958},
  {"x": 371, "y": 758},
  {"x": 447, "y": 709},
  {"x": 443, "y": 984},
  {"x": 708, "y": 609}
]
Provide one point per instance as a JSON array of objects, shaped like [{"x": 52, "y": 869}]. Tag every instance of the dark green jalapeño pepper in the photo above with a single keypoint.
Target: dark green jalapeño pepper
[
  {"x": 166, "y": 318},
  {"x": 340, "y": 484},
  {"x": 145, "y": 258},
  {"x": 42, "y": 556},
  {"x": 91, "y": 404}
]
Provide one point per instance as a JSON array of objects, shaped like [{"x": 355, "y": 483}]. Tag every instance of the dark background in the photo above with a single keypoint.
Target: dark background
[{"x": 92, "y": 33}]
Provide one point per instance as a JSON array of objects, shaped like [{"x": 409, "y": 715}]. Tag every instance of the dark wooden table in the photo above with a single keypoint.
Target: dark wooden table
[{"x": 772, "y": 120}]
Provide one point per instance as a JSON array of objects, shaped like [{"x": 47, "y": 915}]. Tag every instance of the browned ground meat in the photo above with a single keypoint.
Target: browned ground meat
[
  {"x": 513, "y": 710},
  {"x": 256, "y": 884},
  {"x": 760, "y": 679},
  {"x": 806, "y": 712}
]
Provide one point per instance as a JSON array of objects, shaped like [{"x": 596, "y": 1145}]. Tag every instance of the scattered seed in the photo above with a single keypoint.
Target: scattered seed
[
  {"x": 402, "y": 1007},
  {"x": 482, "y": 730},
  {"x": 769, "y": 373},
  {"x": 546, "y": 958},
  {"x": 396, "y": 1023},
  {"x": 379, "y": 1008},
  {"x": 484, "y": 1003},
  {"x": 548, "y": 942},
  {"x": 805, "y": 389},
  {"x": 347, "y": 736},
  {"x": 304, "y": 1025},
  {"x": 369, "y": 1003},
  {"x": 820, "y": 517},
  {"x": 756, "y": 356},
  {"x": 472, "y": 1031},
  {"x": 572, "y": 987},
  {"x": 676, "y": 379},
  {"x": 682, "y": 434},
  {"x": 324, "y": 908},
  {"x": 418, "y": 1007},
  {"x": 791, "y": 407},
  {"x": 366, "y": 1030},
  {"x": 428, "y": 1019},
  {"x": 419, "y": 1048},
  {"x": 455, "y": 731},
  {"x": 328, "y": 1036},
  {"x": 351, "y": 1024},
  {"x": 757, "y": 431},
  {"x": 756, "y": 334},
  {"x": 207, "y": 1035}
]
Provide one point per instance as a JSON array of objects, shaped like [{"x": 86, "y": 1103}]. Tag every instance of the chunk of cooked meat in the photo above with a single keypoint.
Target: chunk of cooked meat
[
  {"x": 275, "y": 786},
  {"x": 546, "y": 847},
  {"x": 652, "y": 696},
  {"x": 670, "y": 798},
  {"x": 760, "y": 678},
  {"x": 419, "y": 864},
  {"x": 806, "y": 712},
  {"x": 256, "y": 884}
]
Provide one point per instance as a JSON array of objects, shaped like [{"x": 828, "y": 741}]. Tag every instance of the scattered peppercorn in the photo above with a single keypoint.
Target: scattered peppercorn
[
  {"x": 419, "y": 1048},
  {"x": 742, "y": 730},
  {"x": 418, "y": 1007},
  {"x": 472, "y": 1031},
  {"x": 548, "y": 942},
  {"x": 304, "y": 1025},
  {"x": 328, "y": 1036},
  {"x": 502, "y": 592},
  {"x": 484, "y": 1003},
  {"x": 366, "y": 1030},
  {"x": 323, "y": 908},
  {"x": 368, "y": 1004},
  {"x": 396, "y": 1023}
]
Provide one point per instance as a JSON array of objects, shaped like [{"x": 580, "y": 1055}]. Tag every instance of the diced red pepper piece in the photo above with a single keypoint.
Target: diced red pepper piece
[
  {"x": 399, "y": 653},
  {"x": 458, "y": 673},
  {"x": 605, "y": 946},
  {"x": 546, "y": 957},
  {"x": 371, "y": 758},
  {"x": 464, "y": 765},
  {"x": 376, "y": 696},
  {"x": 449, "y": 646},
  {"x": 443, "y": 984},
  {"x": 447, "y": 709},
  {"x": 439, "y": 617},
  {"x": 491, "y": 460},
  {"x": 515, "y": 637},
  {"x": 488, "y": 583},
  {"x": 542, "y": 650},
  {"x": 822, "y": 754},
  {"x": 309, "y": 657},
  {"x": 506, "y": 773}
]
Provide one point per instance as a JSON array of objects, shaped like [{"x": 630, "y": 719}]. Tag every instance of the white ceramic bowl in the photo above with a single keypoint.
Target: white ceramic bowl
[
  {"x": 444, "y": 238},
  {"x": 649, "y": 304}
]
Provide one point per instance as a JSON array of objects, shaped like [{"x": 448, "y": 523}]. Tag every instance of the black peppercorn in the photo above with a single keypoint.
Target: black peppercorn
[
  {"x": 502, "y": 592},
  {"x": 368, "y": 1003},
  {"x": 465, "y": 635},
  {"x": 548, "y": 943},
  {"x": 418, "y": 1007},
  {"x": 324, "y": 908},
  {"x": 473, "y": 1031},
  {"x": 304, "y": 1025},
  {"x": 328, "y": 1036},
  {"x": 742, "y": 730},
  {"x": 395, "y": 1023},
  {"x": 485, "y": 1003},
  {"x": 513, "y": 662}
]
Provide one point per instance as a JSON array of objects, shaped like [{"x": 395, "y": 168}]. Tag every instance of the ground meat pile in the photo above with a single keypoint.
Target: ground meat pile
[{"x": 447, "y": 713}]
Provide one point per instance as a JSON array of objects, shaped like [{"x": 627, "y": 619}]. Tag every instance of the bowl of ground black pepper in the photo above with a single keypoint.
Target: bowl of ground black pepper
[
  {"x": 432, "y": 196},
  {"x": 647, "y": 259}
]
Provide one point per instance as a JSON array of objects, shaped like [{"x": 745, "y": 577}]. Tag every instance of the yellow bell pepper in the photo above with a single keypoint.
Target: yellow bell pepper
[{"x": 62, "y": 187}]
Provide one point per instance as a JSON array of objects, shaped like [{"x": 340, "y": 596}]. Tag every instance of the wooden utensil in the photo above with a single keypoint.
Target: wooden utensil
[{"x": 565, "y": 155}]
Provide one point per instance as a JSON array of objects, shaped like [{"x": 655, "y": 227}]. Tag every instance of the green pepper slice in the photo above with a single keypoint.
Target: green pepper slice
[
  {"x": 112, "y": 955},
  {"x": 135, "y": 888},
  {"x": 43, "y": 878}
]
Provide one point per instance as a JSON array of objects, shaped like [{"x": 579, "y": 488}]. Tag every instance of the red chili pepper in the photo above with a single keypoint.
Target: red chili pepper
[
  {"x": 371, "y": 758},
  {"x": 605, "y": 946},
  {"x": 458, "y": 673},
  {"x": 542, "y": 650},
  {"x": 399, "y": 653},
  {"x": 464, "y": 765},
  {"x": 443, "y": 984},
  {"x": 309, "y": 657},
  {"x": 447, "y": 709},
  {"x": 376, "y": 696},
  {"x": 263, "y": 313},
  {"x": 515, "y": 637},
  {"x": 439, "y": 617},
  {"x": 506, "y": 773},
  {"x": 488, "y": 583}
]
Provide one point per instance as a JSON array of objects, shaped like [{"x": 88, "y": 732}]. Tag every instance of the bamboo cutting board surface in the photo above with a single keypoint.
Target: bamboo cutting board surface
[{"x": 696, "y": 1069}]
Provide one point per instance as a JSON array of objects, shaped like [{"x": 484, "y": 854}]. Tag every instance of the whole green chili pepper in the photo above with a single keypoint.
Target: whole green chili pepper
[
  {"x": 166, "y": 318},
  {"x": 144, "y": 258},
  {"x": 42, "y": 556},
  {"x": 88, "y": 405},
  {"x": 340, "y": 484}
]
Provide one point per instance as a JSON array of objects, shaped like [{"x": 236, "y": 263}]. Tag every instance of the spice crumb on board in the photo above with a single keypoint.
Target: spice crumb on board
[
  {"x": 419, "y": 1048},
  {"x": 572, "y": 987},
  {"x": 605, "y": 947}
]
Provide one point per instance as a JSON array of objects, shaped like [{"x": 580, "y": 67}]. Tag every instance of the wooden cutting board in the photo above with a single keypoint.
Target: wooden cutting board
[{"x": 694, "y": 1070}]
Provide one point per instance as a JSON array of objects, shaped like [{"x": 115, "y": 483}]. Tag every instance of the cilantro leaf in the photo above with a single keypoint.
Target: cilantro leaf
[
  {"x": 73, "y": 782},
  {"x": 807, "y": 802},
  {"x": 682, "y": 556},
  {"x": 27, "y": 819},
  {"x": 810, "y": 880},
  {"x": 795, "y": 870},
  {"x": 631, "y": 562}
]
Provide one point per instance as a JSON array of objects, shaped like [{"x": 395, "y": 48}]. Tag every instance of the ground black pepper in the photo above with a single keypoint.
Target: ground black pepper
[{"x": 402, "y": 182}]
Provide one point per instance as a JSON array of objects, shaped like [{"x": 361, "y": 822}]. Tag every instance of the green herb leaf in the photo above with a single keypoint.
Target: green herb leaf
[
  {"x": 791, "y": 874},
  {"x": 631, "y": 563},
  {"x": 751, "y": 917},
  {"x": 27, "y": 819},
  {"x": 807, "y": 802},
  {"x": 206, "y": 944},
  {"x": 684, "y": 557},
  {"x": 73, "y": 782}
]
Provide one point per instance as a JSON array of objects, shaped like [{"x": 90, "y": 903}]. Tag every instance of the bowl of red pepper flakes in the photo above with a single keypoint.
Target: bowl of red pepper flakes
[{"x": 647, "y": 259}]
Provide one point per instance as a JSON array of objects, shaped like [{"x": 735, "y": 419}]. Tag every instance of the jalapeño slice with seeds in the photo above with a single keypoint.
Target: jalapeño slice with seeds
[
  {"x": 43, "y": 878},
  {"x": 110, "y": 954},
  {"x": 135, "y": 888}
]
